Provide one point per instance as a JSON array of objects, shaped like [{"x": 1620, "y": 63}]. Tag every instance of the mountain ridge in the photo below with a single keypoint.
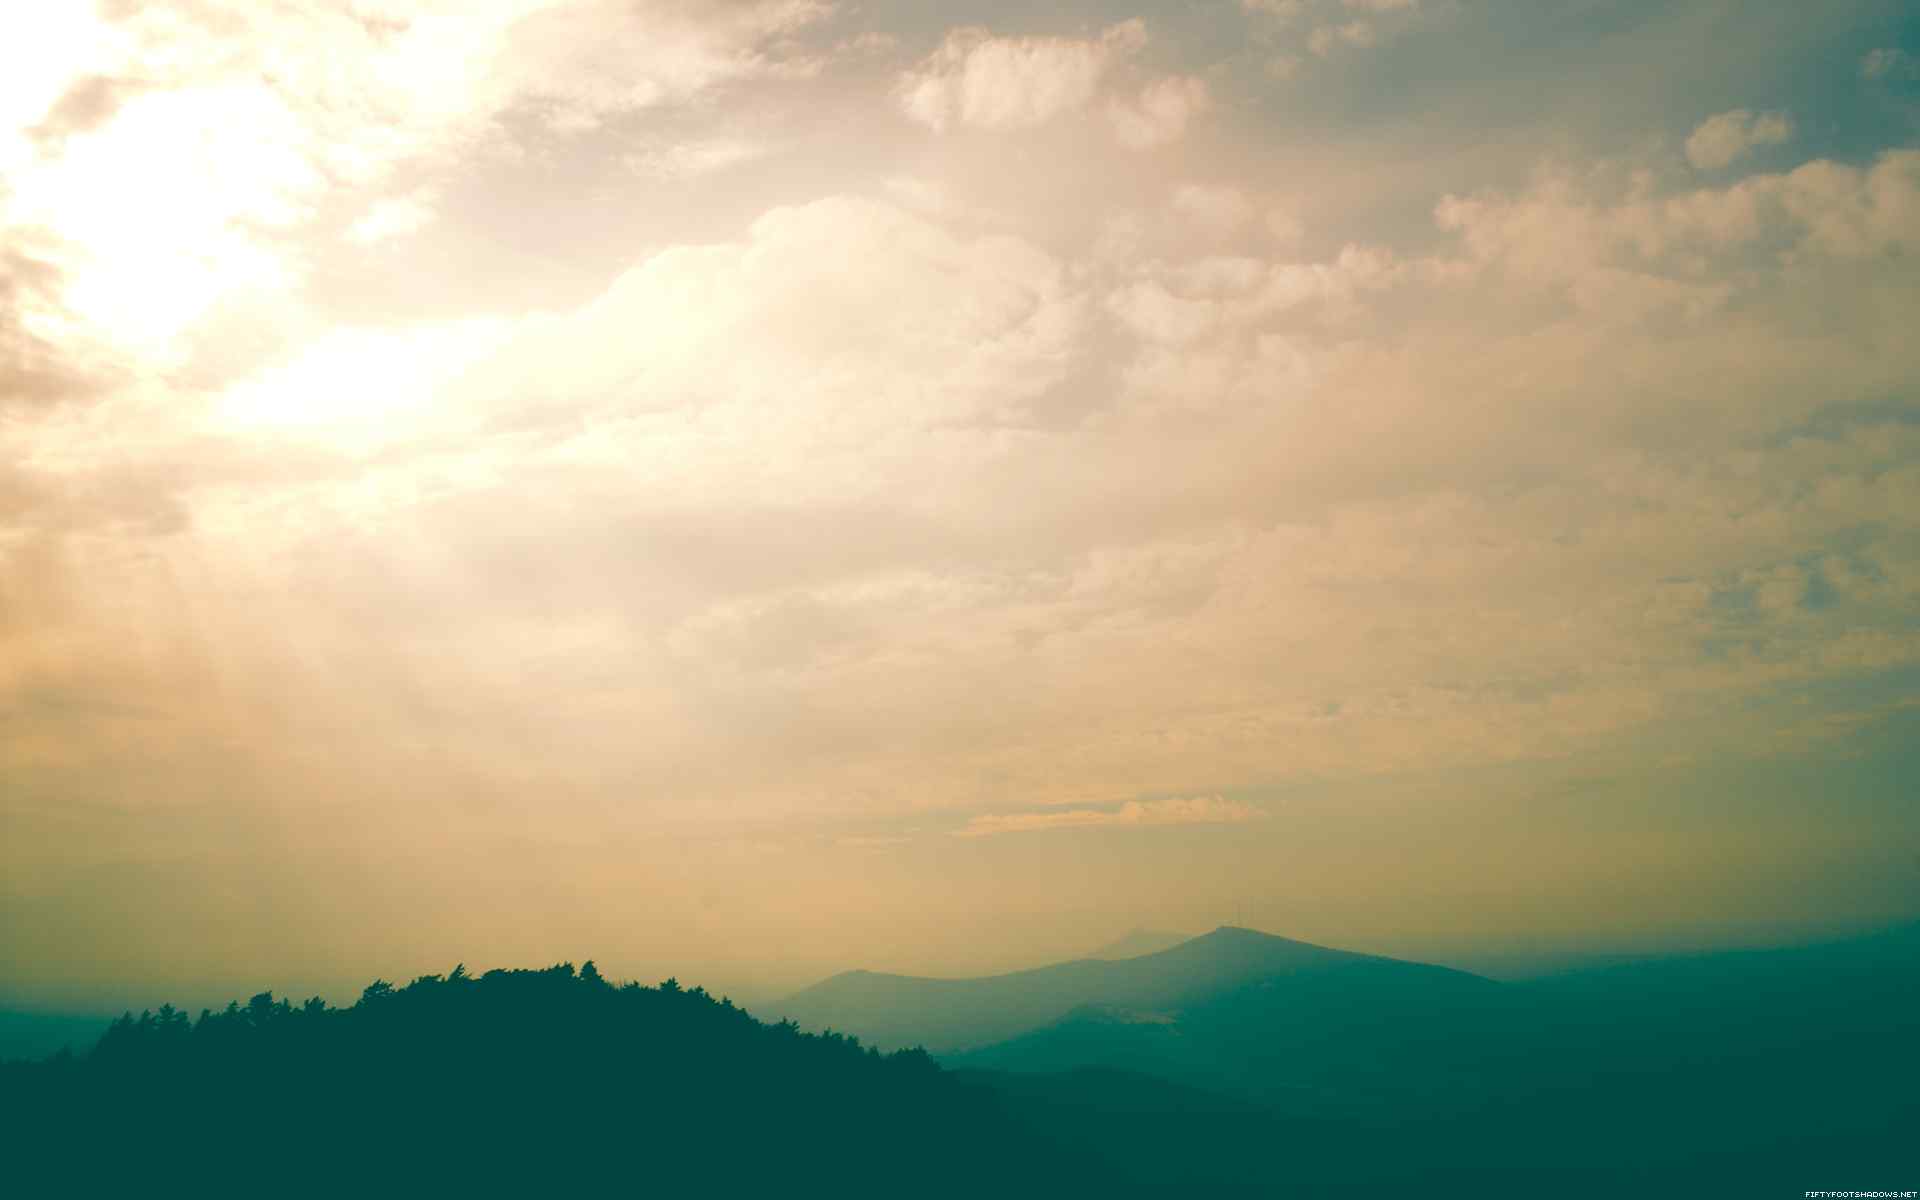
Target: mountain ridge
[
  {"x": 954, "y": 1015},
  {"x": 1138, "y": 942},
  {"x": 1220, "y": 935}
]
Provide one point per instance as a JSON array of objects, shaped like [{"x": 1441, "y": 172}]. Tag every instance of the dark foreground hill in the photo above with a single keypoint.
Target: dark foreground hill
[{"x": 527, "y": 1082}]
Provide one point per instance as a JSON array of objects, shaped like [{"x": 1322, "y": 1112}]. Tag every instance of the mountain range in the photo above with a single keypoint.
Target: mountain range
[
  {"x": 1235, "y": 1063},
  {"x": 951, "y": 1016},
  {"x": 1733, "y": 1058}
]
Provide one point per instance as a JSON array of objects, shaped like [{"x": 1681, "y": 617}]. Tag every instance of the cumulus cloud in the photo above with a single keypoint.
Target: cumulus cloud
[
  {"x": 978, "y": 79},
  {"x": 1723, "y": 139},
  {"x": 1161, "y": 113},
  {"x": 1189, "y": 810},
  {"x": 864, "y": 345}
]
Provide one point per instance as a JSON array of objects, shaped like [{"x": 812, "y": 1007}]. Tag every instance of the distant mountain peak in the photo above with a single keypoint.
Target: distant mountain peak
[{"x": 1244, "y": 935}]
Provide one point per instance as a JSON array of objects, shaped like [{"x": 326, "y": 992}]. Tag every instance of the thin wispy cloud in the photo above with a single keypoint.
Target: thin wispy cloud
[
  {"x": 1890, "y": 63},
  {"x": 1134, "y": 814}
]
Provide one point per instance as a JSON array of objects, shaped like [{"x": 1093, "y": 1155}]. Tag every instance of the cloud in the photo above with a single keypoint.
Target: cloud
[
  {"x": 807, "y": 495},
  {"x": 620, "y": 503},
  {"x": 1161, "y": 114},
  {"x": 1336, "y": 25},
  {"x": 1285, "y": 226},
  {"x": 1282, "y": 10},
  {"x": 684, "y": 160},
  {"x": 395, "y": 216},
  {"x": 359, "y": 387},
  {"x": 35, "y": 370},
  {"x": 1191, "y": 810},
  {"x": 1149, "y": 310},
  {"x": 1722, "y": 140},
  {"x": 237, "y": 121},
  {"x": 88, "y": 102},
  {"x": 1889, "y": 62},
  {"x": 805, "y": 515},
  {"x": 579, "y": 63},
  {"x": 936, "y": 327},
  {"x": 1217, "y": 209},
  {"x": 1327, "y": 38},
  {"x": 980, "y": 80}
]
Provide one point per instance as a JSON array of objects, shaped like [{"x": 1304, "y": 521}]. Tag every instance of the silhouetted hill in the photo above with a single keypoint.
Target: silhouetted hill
[
  {"x": 1140, "y": 942},
  {"x": 1241, "y": 1065},
  {"x": 953, "y": 1015},
  {"x": 533, "y": 1082},
  {"x": 1727, "y": 1071},
  {"x": 1753, "y": 1066},
  {"x": 1303, "y": 1028},
  {"x": 1173, "y": 1140}
]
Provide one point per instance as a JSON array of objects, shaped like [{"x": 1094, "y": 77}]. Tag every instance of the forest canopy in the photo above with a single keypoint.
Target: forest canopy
[{"x": 496, "y": 1081}]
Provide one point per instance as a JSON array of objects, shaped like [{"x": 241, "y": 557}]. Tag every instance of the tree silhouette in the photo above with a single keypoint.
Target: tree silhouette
[{"x": 494, "y": 1083}]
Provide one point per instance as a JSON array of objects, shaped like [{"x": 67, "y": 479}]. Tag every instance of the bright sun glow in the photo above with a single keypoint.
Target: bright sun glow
[{"x": 357, "y": 388}]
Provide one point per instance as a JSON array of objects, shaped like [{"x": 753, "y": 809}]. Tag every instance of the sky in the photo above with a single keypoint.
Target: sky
[{"x": 745, "y": 489}]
